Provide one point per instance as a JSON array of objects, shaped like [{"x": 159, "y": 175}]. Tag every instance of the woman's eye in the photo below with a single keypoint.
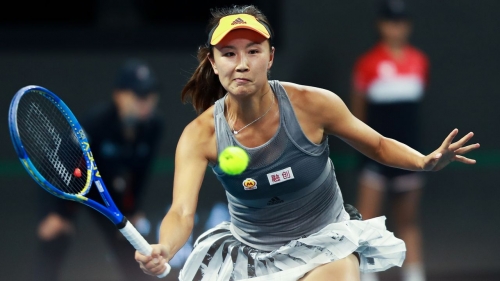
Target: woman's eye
[
  {"x": 254, "y": 51},
  {"x": 228, "y": 54}
]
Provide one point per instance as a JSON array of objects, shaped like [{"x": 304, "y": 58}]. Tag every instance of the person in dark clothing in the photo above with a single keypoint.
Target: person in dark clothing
[{"x": 124, "y": 134}]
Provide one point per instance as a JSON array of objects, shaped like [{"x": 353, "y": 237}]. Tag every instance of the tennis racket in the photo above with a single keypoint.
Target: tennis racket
[{"x": 55, "y": 152}]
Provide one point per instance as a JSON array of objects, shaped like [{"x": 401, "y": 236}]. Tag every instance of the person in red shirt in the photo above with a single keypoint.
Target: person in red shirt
[{"x": 389, "y": 81}]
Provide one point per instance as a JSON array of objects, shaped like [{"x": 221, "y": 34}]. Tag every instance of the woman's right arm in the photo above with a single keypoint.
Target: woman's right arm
[{"x": 177, "y": 225}]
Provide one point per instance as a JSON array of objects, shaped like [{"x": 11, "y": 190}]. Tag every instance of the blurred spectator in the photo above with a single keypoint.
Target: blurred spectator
[
  {"x": 124, "y": 135},
  {"x": 388, "y": 86}
]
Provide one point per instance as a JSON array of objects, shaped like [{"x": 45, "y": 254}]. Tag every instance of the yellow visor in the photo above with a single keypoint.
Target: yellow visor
[{"x": 228, "y": 23}]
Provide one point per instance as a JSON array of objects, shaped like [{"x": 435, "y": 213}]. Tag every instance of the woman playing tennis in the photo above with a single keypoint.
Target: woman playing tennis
[{"x": 290, "y": 224}]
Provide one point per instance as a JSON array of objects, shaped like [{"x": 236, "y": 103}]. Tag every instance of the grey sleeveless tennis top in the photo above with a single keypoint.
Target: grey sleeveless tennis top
[{"x": 289, "y": 189}]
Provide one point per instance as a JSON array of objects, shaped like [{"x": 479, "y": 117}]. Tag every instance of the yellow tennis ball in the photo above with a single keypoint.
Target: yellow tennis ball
[{"x": 233, "y": 160}]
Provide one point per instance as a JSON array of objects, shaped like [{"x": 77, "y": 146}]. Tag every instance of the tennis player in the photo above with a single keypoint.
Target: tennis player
[{"x": 291, "y": 223}]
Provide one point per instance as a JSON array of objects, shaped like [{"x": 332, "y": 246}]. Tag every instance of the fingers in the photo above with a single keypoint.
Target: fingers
[
  {"x": 465, "y": 160},
  {"x": 450, "y": 138},
  {"x": 140, "y": 258},
  {"x": 158, "y": 266},
  {"x": 152, "y": 265},
  {"x": 450, "y": 152},
  {"x": 462, "y": 141},
  {"x": 465, "y": 149}
]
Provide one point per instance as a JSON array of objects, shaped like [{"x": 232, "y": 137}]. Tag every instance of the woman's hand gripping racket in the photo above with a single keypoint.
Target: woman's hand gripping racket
[{"x": 55, "y": 152}]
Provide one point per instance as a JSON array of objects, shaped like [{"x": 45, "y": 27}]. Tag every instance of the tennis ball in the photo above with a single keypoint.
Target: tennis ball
[{"x": 233, "y": 160}]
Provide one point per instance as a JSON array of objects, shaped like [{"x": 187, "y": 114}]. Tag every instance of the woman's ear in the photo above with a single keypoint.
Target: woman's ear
[
  {"x": 212, "y": 62},
  {"x": 271, "y": 59}
]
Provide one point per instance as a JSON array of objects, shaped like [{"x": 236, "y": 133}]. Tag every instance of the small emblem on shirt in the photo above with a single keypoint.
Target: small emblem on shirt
[
  {"x": 275, "y": 200},
  {"x": 250, "y": 184},
  {"x": 280, "y": 176}
]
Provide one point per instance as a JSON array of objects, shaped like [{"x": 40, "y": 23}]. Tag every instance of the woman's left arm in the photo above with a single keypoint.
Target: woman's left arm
[{"x": 339, "y": 121}]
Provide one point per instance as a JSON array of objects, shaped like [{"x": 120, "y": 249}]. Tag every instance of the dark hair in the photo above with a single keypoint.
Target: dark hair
[
  {"x": 204, "y": 87},
  {"x": 394, "y": 10}
]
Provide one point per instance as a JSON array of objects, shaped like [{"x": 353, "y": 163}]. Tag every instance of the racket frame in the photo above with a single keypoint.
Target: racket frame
[{"x": 93, "y": 176}]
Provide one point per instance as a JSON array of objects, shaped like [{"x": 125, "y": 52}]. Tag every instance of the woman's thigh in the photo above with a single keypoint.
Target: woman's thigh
[{"x": 346, "y": 269}]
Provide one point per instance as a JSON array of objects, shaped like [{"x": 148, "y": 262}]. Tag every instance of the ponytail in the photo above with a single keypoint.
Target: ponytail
[{"x": 204, "y": 87}]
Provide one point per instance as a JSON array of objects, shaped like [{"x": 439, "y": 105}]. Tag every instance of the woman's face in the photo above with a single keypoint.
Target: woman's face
[{"x": 242, "y": 60}]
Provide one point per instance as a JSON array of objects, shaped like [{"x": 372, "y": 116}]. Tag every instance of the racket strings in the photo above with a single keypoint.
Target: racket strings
[{"x": 51, "y": 143}]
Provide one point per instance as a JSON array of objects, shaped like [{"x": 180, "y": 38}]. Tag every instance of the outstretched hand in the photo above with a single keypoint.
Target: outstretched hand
[{"x": 450, "y": 151}]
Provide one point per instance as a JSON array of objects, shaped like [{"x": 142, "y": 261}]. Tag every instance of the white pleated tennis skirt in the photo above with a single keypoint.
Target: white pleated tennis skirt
[{"x": 219, "y": 256}]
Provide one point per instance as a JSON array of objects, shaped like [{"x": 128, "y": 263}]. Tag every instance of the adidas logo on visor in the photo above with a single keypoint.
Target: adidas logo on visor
[{"x": 238, "y": 21}]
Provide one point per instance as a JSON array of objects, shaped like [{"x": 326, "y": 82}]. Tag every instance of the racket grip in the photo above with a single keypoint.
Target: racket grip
[{"x": 140, "y": 244}]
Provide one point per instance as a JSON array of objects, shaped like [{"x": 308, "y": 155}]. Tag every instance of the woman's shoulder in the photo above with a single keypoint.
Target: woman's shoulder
[
  {"x": 198, "y": 137},
  {"x": 314, "y": 107},
  {"x": 314, "y": 102},
  {"x": 202, "y": 126},
  {"x": 306, "y": 95}
]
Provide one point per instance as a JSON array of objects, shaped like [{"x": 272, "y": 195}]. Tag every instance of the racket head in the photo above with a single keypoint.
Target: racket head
[
  {"x": 44, "y": 132},
  {"x": 44, "y": 153}
]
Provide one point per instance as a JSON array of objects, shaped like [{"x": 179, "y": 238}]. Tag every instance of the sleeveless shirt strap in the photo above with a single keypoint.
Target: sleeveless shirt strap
[{"x": 223, "y": 134}]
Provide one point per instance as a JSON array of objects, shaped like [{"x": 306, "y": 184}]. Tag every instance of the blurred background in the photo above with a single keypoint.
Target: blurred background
[{"x": 74, "y": 49}]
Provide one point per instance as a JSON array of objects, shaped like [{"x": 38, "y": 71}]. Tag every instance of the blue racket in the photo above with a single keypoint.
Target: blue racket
[{"x": 55, "y": 152}]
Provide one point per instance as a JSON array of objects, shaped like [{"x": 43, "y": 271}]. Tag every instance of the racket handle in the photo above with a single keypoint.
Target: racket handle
[{"x": 140, "y": 244}]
